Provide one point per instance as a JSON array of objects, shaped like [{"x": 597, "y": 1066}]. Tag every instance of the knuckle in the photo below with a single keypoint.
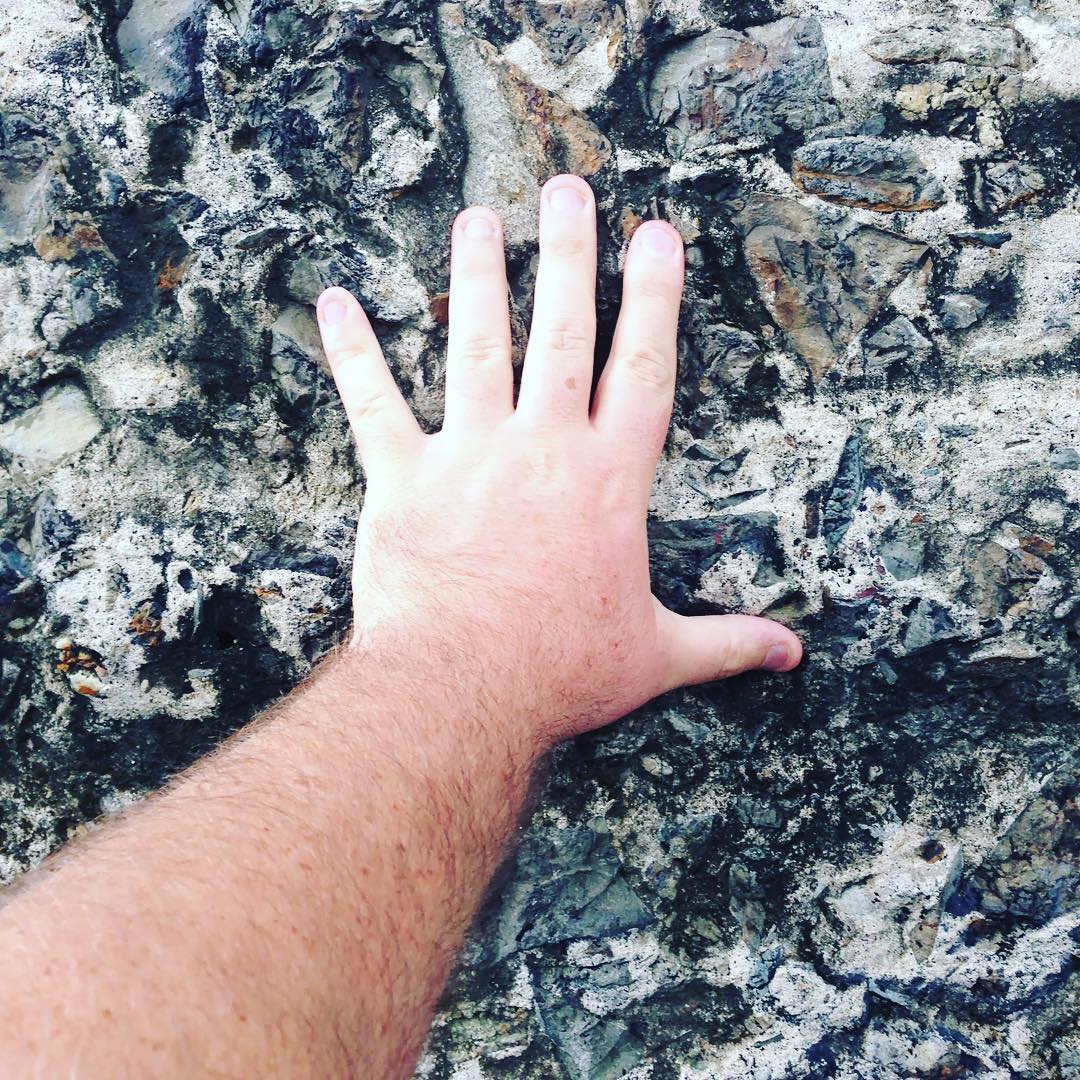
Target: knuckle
[
  {"x": 566, "y": 245},
  {"x": 481, "y": 351},
  {"x": 567, "y": 337},
  {"x": 367, "y": 404},
  {"x": 650, "y": 365},
  {"x": 656, "y": 287},
  {"x": 349, "y": 356}
]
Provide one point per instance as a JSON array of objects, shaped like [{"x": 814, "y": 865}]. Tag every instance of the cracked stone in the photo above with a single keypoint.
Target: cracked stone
[
  {"x": 982, "y": 45},
  {"x": 998, "y": 186},
  {"x": 821, "y": 285},
  {"x": 959, "y": 312},
  {"x": 872, "y": 173},
  {"x": 726, "y": 85}
]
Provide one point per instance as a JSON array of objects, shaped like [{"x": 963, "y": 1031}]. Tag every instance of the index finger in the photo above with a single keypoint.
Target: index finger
[
  {"x": 383, "y": 425},
  {"x": 637, "y": 388}
]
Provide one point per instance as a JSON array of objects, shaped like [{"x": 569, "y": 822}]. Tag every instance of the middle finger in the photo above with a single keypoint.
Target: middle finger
[{"x": 557, "y": 377}]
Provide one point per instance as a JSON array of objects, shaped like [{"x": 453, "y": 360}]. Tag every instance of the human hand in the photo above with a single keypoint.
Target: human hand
[{"x": 509, "y": 549}]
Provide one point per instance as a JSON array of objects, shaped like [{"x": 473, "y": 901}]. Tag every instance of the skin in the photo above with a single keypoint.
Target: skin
[{"x": 292, "y": 904}]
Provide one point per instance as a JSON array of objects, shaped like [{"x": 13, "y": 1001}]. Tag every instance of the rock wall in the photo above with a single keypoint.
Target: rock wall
[{"x": 869, "y": 869}]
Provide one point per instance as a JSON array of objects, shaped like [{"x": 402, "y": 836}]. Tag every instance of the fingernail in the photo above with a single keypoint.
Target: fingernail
[
  {"x": 566, "y": 200},
  {"x": 333, "y": 312},
  {"x": 657, "y": 240},
  {"x": 777, "y": 658},
  {"x": 479, "y": 228}
]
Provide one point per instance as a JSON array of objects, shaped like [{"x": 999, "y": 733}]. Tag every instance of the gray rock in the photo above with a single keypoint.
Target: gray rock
[
  {"x": 727, "y": 358},
  {"x": 928, "y": 624},
  {"x": 29, "y": 184},
  {"x": 993, "y": 238},
  {"x": 726, "y": 85},
  {"x": 959, "y": 312},
  {"x": 563, "y": 30},
  {"x": 570, "y": 886},
  {"x": 979, "y": 44},
  {"x": 903, "y": 552},
  {"x": 898, "y": 339},
  {"x": 57, "y": 428},
  {"x": 821, "y": 284},
  {"x": 591, "y": 1048},
  {"x": 1000, "y": 185},
  {"x": 162, "y": 41},
  {"x": 295, "y": 356},
  {"x": 871, "y": 173},
  {"x": 844, "y": 493}
]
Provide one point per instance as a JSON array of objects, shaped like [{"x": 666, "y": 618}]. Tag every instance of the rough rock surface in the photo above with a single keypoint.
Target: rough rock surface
[
  {"x": 866, "y": 870},
  {"x": 872, "y": 173}
]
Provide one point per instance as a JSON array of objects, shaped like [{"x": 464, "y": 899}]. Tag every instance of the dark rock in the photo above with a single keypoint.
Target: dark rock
[
  {"x": 29, "y": 185},
  {"x": 162, "y": 41},
  {"x": 903, "y": 552},
  {"x": 1033, "y": 873},
  {"x": 844, "y": 494},
  {"x": 727, "y": 357},
  {"x": 569, "y": 885},
  {"x": 681, "y": 553},
  {"x": 725, "y": 85},
  {"x": 562, "y": 30},
  {"x": 14, "y": 573},
  {"x": 590, "y": 1047},
  {"x": 871, "y": 173},
  {"x": 998, "y": 186},
  {"x": 898, "y": 339},
  {"x": 928, "y": 624},
  {"x": 981, "y": 238}
]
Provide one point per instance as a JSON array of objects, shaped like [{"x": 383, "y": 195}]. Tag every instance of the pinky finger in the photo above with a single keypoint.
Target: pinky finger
[{"x": 382, "y": 423}]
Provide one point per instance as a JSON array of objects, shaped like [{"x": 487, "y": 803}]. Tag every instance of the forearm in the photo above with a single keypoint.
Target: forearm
[{"x": 292, "y": 905}]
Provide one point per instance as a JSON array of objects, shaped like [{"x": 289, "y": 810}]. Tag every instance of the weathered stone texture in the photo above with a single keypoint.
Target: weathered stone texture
[
  {"x": 872, "y": 173},
  {"x": 864, "y": 870}
]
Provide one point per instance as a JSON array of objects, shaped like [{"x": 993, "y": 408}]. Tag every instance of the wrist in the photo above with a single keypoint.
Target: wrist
[{"x": 421, "y": 689}]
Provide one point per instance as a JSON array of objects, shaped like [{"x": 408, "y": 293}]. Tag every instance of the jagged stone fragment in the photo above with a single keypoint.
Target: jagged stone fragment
[
  {"x": 998, "y": 186},
  {"x": 898, "y": 339},
  {"x": 28, "y": 177},
  {"x": 979, "y": 44},
  {"x": 728, "y": 85},
  {"x": 162, "y": 41},
  {"x": 564, "y": 29},
  {"x": 821, "y": 284},
  {"x": 844, "y": 493},
  {"x": 959, "y": 311},
  {"x": 872, "y": 173},
  {"x": 555, "y": 136},
  {"x": 572, "y": 888},
  {"x": 55, "y": 429}
]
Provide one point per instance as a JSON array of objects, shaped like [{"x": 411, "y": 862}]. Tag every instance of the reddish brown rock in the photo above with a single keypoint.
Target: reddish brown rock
[
  {"x": 555, "y": 136},
  {"x": 821, "y": 284}
]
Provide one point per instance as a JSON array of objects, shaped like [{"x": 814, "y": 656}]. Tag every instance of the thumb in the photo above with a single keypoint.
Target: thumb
[{"x": 702, "y": 648}]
